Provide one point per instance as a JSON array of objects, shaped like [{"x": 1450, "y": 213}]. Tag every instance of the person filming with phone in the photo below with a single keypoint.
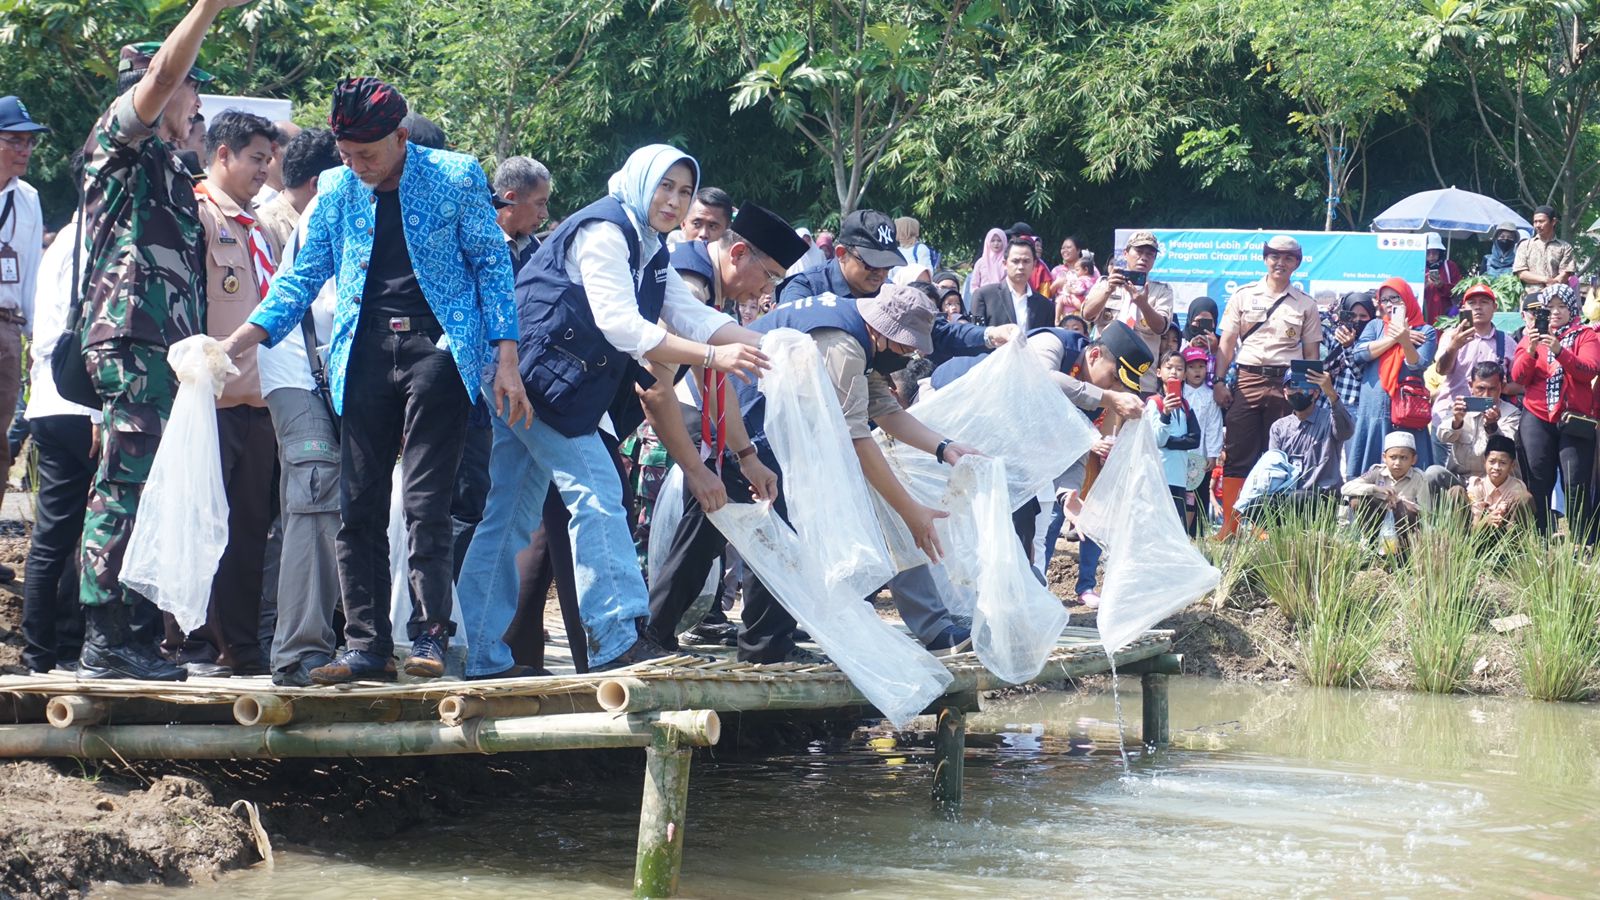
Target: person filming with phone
[
  {"x": 1473, "y": 340},
  {"x": 1128, "y": 295},
  {"x": 1464, "y": 423},
  {"x": 1557, "y": 362}
]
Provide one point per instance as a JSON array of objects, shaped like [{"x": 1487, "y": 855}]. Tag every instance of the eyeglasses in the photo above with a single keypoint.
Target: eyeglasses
[
  {"x": 869, "y": 266},
  {"x": 773, "y": 278},
  {"x": 21, "y": 141}
]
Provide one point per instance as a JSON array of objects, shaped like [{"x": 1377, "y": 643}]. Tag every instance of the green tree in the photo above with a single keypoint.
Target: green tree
[{"x": 1536, "y": 102}]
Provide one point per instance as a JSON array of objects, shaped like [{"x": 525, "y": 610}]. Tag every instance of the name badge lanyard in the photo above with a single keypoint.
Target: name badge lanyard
[{"x": 10, "y": 262}]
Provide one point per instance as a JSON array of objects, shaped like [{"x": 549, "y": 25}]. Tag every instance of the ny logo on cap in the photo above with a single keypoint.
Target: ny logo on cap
[
  {"x": 885, "y": 234},
  {"x": 23, "y": 109}
]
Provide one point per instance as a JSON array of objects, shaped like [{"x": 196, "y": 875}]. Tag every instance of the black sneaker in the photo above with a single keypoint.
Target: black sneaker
[
  {"x": 427, "y": 653},
  {"x": 804, "y": 657},
  {"x": 128, "y": 660},
  {"x": 203, "y": 669},
  {"x": 711, "y": 634},
  {"x": 514, "y": 672},
  {"x": 643, "y": 650},
  {"x": 954, "y": 639},
  {"x": 355, "y": 665}
]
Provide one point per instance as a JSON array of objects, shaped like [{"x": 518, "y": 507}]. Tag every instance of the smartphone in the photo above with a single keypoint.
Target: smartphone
[
  {"x": 1479, "y": 404},
  {"x": 1298, "y": 370},
  {"x": 1466, "y": 317},
  {"x": 1541, "y": 319},
  {"x": 1175, "y": 387},
  {"x": 1135, "y": 278}
]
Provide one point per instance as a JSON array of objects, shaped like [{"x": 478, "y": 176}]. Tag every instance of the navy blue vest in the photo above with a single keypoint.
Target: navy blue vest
[
  {"x": 807, "y": 314},
  {"x": 572, "y": 373},
  {"x": 694, "y": 256}
]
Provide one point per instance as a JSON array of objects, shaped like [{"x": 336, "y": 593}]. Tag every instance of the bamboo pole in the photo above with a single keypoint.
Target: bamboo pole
[
  {"x": 456, "y": 709},
  {"x": 634, "y": 695},
  {"x": 15, "y": 707},
  {"x": 1154, "y": 709},
  {"x": 662, "y": 814},
  {"x": 71, "y": 709},
  {"x": 283, "y": 709},
  {"x": 949, "y": 754},
  {"x": 347, "y": 739}
]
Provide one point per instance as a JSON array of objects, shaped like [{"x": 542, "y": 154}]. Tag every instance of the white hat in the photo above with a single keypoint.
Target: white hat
[
  {"x": 1435, "y": 242},
  {"x": 1400, "y": 439}
]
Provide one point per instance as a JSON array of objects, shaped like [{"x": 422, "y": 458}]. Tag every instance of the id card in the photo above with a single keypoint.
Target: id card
[{"x": 10, "y": 266}]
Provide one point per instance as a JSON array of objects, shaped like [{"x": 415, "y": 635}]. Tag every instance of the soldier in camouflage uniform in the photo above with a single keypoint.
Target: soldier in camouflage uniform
[{"x": 142, "y": 291}]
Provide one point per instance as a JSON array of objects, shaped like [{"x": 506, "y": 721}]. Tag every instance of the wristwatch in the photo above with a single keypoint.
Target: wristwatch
[
  {"x": 746, "y": 453},
  {"x": 938, "y": 452}
]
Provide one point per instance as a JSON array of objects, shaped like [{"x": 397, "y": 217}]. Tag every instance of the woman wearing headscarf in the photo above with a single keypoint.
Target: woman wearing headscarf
[
  {"x": 1341, "y": 327},
  {"x": 1557, "y": 432},
  {"x": 588, "y": 305},
  {"x": 990, "y": 267},
  {"x": 1393, "y": 348}
]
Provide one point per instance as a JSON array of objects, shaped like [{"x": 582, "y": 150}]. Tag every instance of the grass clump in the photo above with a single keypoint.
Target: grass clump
[
  {"x": 1559, "y": 585},
  {"x": 1442, "y": 606}
]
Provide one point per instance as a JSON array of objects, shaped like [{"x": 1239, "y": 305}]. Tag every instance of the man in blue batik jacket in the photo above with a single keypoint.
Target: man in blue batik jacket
[{"x": 424, "y": 287}]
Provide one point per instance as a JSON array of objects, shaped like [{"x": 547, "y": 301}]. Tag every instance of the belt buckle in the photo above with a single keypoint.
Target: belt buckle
[{"x": 400, "y": 323}]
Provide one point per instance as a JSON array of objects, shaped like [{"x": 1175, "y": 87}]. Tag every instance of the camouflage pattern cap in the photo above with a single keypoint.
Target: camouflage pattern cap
[{"x": 137, "y": 58}]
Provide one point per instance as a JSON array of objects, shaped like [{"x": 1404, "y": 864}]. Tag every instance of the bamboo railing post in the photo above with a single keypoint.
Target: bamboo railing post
[
  {"x": 661, "y": 816},
  {"x": 1156, "y": 725},
  {"x": 68, "y": 710},
  {"x": 949, "y": 759}
]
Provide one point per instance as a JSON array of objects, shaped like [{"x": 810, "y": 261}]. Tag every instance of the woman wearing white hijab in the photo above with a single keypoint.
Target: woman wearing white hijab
[{"x": 588, "y": 307}]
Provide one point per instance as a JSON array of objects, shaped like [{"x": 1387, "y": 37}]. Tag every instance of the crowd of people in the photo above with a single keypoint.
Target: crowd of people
[{"x": 409, "y": 333}]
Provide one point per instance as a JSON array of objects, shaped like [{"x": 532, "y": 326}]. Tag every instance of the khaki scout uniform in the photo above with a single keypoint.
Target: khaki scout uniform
[
  {"x": 1263, "y": 360},
  {"x": 1120, "y": 308}
]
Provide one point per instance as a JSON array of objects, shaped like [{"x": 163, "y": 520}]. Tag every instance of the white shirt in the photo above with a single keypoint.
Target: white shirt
[
  {"x": 24, "y": 232},
  {"x": 51, "y": 305},
  {"x": 598, "y": 260},
  {"x": 285, "y": 364},
  {"x": 1019, "y": 305}
]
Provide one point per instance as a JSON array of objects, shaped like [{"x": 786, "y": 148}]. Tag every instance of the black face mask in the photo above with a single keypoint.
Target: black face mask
[
  {"x": 1300, "y": 402},
  {"x": 1505, "y": 243},
  {"x": 887, "y": 363}
]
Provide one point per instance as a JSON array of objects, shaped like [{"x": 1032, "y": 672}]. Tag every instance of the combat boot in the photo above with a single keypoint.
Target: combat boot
[{"x": 111, "y": 651}]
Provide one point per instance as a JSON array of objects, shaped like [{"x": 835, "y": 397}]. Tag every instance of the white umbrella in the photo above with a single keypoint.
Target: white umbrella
[{"x": 1452, "y": 212}]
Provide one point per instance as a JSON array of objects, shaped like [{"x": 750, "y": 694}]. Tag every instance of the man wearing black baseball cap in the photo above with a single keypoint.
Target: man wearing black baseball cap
[{"x": 21, "y": 249}]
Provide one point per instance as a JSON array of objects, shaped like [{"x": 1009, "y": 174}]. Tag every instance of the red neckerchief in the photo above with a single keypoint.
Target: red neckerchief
[
  {"x": 711, "y": 385},
  {"x": 264, "y": 268}
]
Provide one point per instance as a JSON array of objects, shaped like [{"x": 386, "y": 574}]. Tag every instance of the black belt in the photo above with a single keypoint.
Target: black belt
[
  {"x": 14, "y": 316},
  {"x": 403, "y": 323},
  {"x": 1266, "y": 371}
]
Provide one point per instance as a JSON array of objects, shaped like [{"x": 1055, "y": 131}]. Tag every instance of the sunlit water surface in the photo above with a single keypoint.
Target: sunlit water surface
[{"x": 1298, "y": 792}]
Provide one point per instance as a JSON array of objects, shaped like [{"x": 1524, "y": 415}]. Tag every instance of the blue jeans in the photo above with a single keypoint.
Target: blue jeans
[
  {"x": 524, "y": 463},
  {"x": 1088, "y": 565}
]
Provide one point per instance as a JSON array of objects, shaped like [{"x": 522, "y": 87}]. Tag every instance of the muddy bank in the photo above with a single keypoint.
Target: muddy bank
[{"x": 67, "y": 827}]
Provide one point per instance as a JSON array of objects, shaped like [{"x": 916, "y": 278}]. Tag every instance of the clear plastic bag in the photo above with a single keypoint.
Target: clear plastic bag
[
  {"x": 890, "y": 669},
  {"x": 808, "y": 435},
  {"x": 1152, "y": 569},
  {"x": 182, "y": 526},
  {"x": 1008, "y": 407},
  {"x": 1017, "y": 620}
]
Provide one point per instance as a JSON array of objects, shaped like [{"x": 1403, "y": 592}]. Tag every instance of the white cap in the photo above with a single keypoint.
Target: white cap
[
  {"x": 1435, "y": 242},
  {"x": 1399, "y": 439}
]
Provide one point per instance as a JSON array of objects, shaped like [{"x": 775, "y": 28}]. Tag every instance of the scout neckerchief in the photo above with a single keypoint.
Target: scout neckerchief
[
  {"x": 712, "y": 386},
  {"x": 260, "y": 255}
]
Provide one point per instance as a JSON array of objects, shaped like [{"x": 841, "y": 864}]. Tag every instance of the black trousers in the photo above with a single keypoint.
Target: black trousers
[
  {"x": 52, "y": 618},
  {"x": 471, "y": 491},
  {"x": 232, "y": 632},
  {"x": 767, "y": 634},
  {"x": 1543, "y": 449},
  {"x": 404, "y": 397}
]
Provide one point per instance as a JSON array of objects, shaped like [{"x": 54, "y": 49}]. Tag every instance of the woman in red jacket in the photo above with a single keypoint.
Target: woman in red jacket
[{"x": 1558, "y": 368}]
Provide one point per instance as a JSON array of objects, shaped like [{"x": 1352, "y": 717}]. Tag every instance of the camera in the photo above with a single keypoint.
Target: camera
[{"x": 1134, "y": 278}]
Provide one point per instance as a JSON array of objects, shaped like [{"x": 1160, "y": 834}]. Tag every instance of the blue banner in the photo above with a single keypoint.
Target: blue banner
[{"x": 1216, "y": 262}]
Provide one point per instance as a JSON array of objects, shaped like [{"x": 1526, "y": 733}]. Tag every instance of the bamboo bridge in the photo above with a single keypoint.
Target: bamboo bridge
[{"x": 667, "y": 706}]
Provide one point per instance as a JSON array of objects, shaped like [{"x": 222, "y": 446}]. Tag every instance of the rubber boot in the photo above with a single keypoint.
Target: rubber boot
[
  {"x": 111, "y": 651},
  {"x": 1231, "y": 487}
]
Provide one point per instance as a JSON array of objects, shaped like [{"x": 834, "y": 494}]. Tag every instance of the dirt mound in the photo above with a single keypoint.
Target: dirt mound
[{"x": 66, "y": 828}]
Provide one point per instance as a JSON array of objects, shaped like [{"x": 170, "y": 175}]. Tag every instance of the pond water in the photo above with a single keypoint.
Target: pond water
[{"x": 1298, "y": 792}]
